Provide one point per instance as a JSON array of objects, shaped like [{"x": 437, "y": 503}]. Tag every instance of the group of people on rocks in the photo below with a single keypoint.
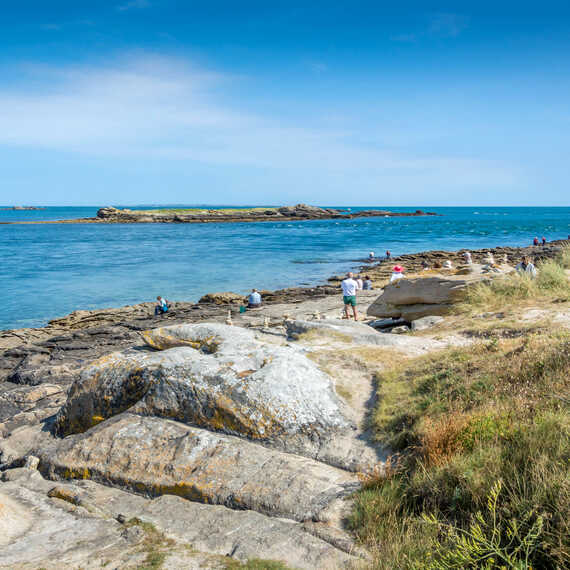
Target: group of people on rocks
[
  {"x": 162, "y": 305},
  {"x": 536, "y": 242}
]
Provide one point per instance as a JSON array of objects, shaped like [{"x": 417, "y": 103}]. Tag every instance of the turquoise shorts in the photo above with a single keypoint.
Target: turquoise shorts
[{"x": 349, "y": 300}]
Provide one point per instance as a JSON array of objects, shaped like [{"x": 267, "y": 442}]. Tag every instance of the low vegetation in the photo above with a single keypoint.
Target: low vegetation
[
  {"x": 227, "y": 211},
  {"x": 552, "y": 283},
  {"x": 481, "y": 440}
]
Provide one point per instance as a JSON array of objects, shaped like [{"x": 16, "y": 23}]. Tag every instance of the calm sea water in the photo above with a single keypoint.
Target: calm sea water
[{"x": 47, "y": 271}]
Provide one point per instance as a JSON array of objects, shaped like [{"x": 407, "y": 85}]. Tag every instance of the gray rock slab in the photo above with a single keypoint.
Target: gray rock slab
[
  {"x": 155, "y": 457},
  {"x": 425, "y": 323},
  {"x": 217, "y": 377}
]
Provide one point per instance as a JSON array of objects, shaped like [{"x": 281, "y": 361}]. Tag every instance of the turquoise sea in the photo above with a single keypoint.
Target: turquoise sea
[{"x": 47, "y": 271}]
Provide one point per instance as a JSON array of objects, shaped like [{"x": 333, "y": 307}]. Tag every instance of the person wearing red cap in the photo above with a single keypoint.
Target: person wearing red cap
[{"x": 397, "y": 273}]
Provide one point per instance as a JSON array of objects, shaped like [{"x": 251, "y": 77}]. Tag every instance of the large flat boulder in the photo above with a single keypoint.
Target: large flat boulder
[
  {"x": 221, "y": 379},
  {"x": 412, "y": 299},
  {"x": 46, "y": 524},
  {"x": 156, "y": 457}
]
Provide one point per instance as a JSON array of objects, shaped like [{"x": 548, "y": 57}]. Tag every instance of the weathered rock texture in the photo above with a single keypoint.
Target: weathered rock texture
[
  {"x": 412, "y": 299},
  {"x": 74, "y": 524},
  {"x": 156, "y": 456},
  {"x": 220, "y": 378}
]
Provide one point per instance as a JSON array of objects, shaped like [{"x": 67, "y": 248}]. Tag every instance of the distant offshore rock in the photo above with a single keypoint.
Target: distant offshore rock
[
  {"x": 285, "y": 213},
  {"x": 19, "y": 208}
]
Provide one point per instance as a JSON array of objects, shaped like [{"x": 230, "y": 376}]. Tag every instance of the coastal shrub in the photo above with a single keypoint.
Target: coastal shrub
[
  {"x": 552, "y": 277},
  {"x": 483, "y": 466}
]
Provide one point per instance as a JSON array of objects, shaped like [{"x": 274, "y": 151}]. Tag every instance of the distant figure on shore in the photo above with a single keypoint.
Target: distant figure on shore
[
  {"x": 371, "y": 256},
  {"x": 535, "y": 241},
  {"x": 388, "y": 254},
  {"x": 254, "y": 300},
  {"x": 489, "y": 259},
  {"x": 397, "y": 273},
  {"x": 543, "y": 240},
  {"x": 367, "y": 284},
  {"x": 359, "y": 283},
  {"x": 526, "y": 267},
  {"x": 349, "y": 287},
  {"x": 161, "y": 306},
  {"x": 467, "y": 258},
  {"x": 425, "y": 265},
  {"x": 447, "y": 264}
]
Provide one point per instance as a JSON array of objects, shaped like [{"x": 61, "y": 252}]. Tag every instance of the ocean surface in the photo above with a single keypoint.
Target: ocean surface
[{"x": 49, "y": 270}]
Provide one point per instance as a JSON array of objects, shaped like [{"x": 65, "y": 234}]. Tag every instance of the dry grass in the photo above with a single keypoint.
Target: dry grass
[{"x": 464, "y": 420}]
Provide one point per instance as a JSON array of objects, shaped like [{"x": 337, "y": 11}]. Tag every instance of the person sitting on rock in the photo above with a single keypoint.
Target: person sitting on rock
[
  {"x": 489, "y": 259},
  {"x": 359, "y": 283},
  {"x": 367, "y": 284},
  {"x": 161, "y": 307},
  {"x": 254, "y": 300},
  {"x": 349, "y": 287},
  {"x": 467, "y": 258},
  {"x": 425, "y": 265},
  {"x": 371, "y": 256},
  {"x": 447, "y": 264},
  {"x": 526, "y": 267},
  {"x": 397, "y": 273}
]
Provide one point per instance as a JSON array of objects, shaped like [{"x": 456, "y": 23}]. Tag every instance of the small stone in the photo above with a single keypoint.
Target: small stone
[
  {"x": 426, "y": 323},
  {"x": 121, "y": 518}
]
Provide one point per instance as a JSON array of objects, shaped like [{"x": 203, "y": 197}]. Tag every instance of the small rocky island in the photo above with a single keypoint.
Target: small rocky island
[
  {"x": 284, "y": 213},
  {"x": 20, "y": 208}
]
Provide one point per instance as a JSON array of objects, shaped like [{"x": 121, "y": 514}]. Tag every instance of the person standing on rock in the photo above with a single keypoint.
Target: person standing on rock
[
  {"x": 467, "y": 257},
  {"x": 349, "y": 287},
  {"x": 359, "y": 282},
  {"x": 388, "y": 254}
]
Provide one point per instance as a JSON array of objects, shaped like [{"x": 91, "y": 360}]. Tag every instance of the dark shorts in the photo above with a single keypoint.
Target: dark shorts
[{"x": 349, "y": 300}]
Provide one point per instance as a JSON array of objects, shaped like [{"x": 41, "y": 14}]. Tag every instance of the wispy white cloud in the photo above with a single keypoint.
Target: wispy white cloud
[
  {"x": 151, "y": 107},
  {"x": 132, "y": 5}
]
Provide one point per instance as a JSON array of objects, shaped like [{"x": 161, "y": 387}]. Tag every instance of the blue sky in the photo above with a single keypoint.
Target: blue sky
[{"x": 225, "y": 102}]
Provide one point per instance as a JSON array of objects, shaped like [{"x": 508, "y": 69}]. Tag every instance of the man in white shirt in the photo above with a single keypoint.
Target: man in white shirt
[
  {"x": 349, "y": 287},
  {"x": 254, "y": 300}
]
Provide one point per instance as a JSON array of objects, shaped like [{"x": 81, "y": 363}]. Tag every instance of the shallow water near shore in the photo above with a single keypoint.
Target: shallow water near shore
[{"x": 47, "y": 271}]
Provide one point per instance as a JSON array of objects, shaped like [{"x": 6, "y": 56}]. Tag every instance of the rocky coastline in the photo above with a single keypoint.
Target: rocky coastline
[
  {"x": 111, "y": 215},
  {"x": 235, "y": 434}
]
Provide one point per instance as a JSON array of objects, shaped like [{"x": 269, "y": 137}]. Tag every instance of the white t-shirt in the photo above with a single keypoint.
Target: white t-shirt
[
  {"x": 359, "y": 283},
  {"x": 349, "y": 287},
  {"x": 255, "y": 298}
]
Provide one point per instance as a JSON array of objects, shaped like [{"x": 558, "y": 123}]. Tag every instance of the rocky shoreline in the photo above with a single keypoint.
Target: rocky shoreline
[
  {"x": 237, "y": 434},
  {"x": 111, "y": 215}
]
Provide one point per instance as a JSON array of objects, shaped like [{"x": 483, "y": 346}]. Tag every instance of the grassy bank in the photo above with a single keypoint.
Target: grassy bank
[{"x": 481, "y": 441}]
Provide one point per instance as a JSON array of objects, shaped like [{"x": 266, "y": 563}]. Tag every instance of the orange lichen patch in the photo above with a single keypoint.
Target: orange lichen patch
[
  {"x": 79, "y": 473},
  {"x": 161, "y": 340}
]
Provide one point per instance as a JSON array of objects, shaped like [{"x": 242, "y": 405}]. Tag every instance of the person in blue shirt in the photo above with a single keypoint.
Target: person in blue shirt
[
  {"x": 254, "y": 300},
  {"x": 161, "y": 307}
]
